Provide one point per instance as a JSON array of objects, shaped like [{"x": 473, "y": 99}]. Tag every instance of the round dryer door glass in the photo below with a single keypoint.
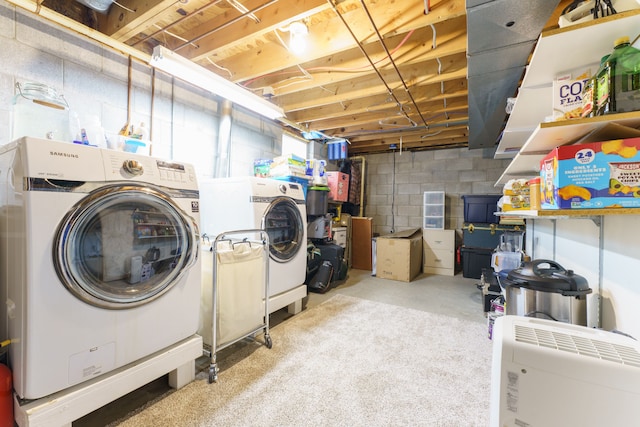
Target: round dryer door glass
[
  {"x": 123, "y": 246},
  {"x": 283, "y": 223}
]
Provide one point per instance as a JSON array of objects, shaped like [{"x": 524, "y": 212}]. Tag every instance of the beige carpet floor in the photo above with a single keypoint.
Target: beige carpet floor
[{"x": 345, "y": 362}]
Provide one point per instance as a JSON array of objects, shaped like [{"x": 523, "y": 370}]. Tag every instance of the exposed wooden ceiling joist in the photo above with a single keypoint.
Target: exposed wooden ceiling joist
[{"x": 370, "y": 65}]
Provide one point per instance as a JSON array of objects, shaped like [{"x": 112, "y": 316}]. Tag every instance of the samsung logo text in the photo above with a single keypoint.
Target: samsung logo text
[{"x": 61, "y": 154}]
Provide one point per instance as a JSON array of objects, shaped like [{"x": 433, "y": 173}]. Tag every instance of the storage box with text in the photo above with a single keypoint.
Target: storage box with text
[
  {"x": 399, "y": 255},
  {"x": 338, "y": 186},
  {"x": 594, "y": 175}
]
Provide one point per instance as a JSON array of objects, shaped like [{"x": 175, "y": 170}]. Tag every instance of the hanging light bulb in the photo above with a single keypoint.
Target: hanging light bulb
[{"x": 298, "y": 32}]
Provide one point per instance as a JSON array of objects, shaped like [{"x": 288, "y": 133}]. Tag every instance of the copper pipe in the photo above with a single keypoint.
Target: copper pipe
[{"x": 129, "y": 88}]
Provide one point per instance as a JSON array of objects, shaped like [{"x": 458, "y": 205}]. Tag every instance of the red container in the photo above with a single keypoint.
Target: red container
[
  {"x": 338, "y": 186},
  {"x": 6, "y": 396}
]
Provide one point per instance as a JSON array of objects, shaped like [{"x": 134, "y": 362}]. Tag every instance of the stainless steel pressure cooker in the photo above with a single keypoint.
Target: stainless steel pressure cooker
[{"x": 543, "y": 288}]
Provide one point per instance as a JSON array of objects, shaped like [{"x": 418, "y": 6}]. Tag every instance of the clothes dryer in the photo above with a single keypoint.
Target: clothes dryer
[
  {"x": 279, "y": 208},
  {"x": 99, "y": 254}
]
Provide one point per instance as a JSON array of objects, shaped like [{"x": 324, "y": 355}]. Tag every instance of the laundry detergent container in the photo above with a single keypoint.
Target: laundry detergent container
[{"x": 543, "y": 288}]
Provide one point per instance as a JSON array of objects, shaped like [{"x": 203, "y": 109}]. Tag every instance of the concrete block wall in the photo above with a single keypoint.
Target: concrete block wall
[
  {"x": 94, "y": 81},
  {"x": 395, "y": 183}
]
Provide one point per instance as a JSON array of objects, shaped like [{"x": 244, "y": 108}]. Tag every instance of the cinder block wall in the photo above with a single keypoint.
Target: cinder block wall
[
  {"x": 94, "y": 81},
  {"x": 395, "y": 184}
]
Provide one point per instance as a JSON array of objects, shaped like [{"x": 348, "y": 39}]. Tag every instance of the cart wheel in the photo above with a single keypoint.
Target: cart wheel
[
  {"x": 267, "y": 341},
  {"x": 213, "y": 374}
]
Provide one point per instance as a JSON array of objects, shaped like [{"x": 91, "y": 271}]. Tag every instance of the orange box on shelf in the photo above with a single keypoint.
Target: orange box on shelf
[
  {"x": 338, "y": 186},
  {"x": 593, "y": 175}
]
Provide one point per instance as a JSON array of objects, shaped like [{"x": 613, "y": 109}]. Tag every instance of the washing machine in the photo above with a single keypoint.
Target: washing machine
[
  {"x": 99, "y": 254},
  {"x": 279, "y": 208}
]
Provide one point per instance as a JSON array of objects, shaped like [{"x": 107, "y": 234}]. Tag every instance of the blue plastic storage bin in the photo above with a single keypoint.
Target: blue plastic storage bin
[{"x": 481, "y": 209}]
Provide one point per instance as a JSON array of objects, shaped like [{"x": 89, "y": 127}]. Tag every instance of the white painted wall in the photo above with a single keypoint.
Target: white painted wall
[{"x": 606, "y": 255}]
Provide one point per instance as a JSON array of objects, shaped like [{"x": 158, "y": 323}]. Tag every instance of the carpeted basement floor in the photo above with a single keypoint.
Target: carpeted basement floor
[{"x": 456, "y": 298}]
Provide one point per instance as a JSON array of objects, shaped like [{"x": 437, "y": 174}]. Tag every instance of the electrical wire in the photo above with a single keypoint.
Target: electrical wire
[
  {"x": 219, "y": 67},
  {"x": 330, "y": 69},
  {"x": 571, "y": 6},
  {"x": 395, "y": 66},
  {"x": 534, "y": 312},
  {"x": 226, "y": 24},
  {"x": 364, "y": 53},
  {"x": 174, "y": 23}
]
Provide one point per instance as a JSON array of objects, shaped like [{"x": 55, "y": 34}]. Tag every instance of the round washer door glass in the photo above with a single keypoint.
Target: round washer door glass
[
  {"x": 283, "y": 223},
  {"x": 123, "y": 246}
]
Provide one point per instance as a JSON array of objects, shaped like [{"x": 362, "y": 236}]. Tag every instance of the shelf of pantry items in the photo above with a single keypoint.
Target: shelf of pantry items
[
  {"x": 558, "y": 51},
  {"x": 547, "y": 136},
  {"x": 567, "y": 213}
]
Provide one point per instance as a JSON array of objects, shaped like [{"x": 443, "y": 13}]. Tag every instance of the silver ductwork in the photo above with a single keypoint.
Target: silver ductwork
[
  {"x": 501, "y": 35},
  {"x": 101, "y": 6}
]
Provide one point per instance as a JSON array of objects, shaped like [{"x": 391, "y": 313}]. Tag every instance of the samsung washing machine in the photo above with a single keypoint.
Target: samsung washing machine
[
  {"x": 100, "y": 260},
  {"x": 279, "y": 208}
]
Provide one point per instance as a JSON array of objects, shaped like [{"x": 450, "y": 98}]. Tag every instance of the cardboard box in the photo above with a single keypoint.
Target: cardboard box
[
  {"x": 399, "y": 255},
  {"x": 590, "y": 176},
  {"x": 338, "y": 186}
]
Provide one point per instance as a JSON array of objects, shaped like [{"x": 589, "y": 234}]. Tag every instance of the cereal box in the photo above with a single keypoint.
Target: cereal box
[
  {"x": 594, "y": 175},
  {"x": 567, "y": 93}
]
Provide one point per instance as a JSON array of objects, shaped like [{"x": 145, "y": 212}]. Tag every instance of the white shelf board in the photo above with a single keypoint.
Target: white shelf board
[
  {"x": 567, "y": 213},
  {"x": 523, "y": 166},
  {"x": 532, "y": 106},
  {"x": 554, "y": 134},
  {"x": 511, "y": 143},
  {"x": 569, "y": 48},
  {"x": 576, "y": 46}
]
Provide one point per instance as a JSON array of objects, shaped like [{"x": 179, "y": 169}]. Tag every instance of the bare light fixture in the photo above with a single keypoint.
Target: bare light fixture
[
  {"x": 184, "y": 69},
  {"x": 298, "y": 33}
]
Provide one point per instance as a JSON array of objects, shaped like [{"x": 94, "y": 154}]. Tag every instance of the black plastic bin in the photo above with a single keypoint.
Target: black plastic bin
[
  {"x": 481, "y": 208},
  {"x": 474, "y": 260}
]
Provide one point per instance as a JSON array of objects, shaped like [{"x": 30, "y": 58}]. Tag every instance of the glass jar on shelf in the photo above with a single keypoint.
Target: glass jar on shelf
[{"x": 39, "y": 111}]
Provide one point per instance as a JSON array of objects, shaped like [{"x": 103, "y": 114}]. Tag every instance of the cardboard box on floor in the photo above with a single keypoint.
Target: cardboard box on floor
[{"x": 399, "y": 255}]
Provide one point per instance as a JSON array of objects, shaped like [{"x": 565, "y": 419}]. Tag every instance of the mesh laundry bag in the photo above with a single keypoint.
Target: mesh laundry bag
[{"x": 241, "y": 290}]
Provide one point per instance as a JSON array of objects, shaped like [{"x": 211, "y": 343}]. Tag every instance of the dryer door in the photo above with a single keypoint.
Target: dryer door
[
  {"x": 283, "y": 223},
  {"x": 124, "y": 245}
]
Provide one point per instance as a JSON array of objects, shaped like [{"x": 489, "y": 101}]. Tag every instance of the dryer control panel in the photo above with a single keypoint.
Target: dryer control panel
[{"x": 121, "y": 165}]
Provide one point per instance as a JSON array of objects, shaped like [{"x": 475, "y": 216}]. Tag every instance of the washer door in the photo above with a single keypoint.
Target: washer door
[
  {"x": 283, "y": 223},
  {"x": 123, "y": 246}
]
